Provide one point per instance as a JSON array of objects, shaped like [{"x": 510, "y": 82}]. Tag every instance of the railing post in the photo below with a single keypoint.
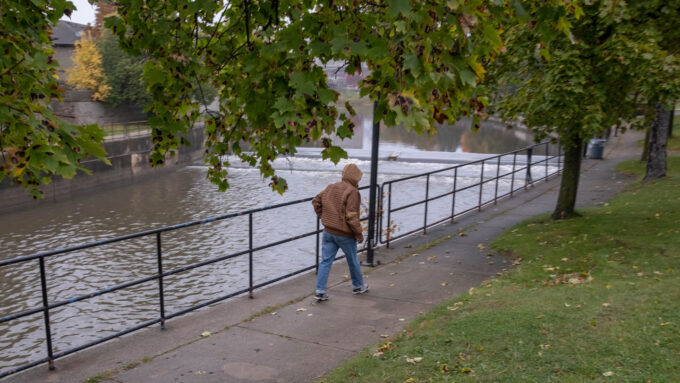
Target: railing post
[
  {"x": 389, "y": 212},
  {"x": 46, "y": 314},
  {"x": 375, "y": 145},
  {"x": 481, "y": 186},
  {"x": 512, "y": 180},
  {"x": 250, "y": 255},
  {"x": 527, "y": 177},
  {"x": 379, "y": 218},
  {"x": 547, "y": 149},
  {"x": 161, "y": 293},
  {"x": 498, "y": 173},
  {"x": 427, "y": 197},
  {"x": 453, "y": 201},
  {"x": 318, "y": 227}
]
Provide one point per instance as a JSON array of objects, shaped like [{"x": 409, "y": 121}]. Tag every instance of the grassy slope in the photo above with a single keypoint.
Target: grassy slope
[{"x": 592, "y": 299}]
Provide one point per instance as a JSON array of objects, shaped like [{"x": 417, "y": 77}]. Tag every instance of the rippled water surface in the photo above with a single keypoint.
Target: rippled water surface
[{"x": 170, "y": 199}]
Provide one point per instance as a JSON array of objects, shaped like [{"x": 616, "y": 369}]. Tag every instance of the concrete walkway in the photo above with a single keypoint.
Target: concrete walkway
[{"x": 283, "y": 335}]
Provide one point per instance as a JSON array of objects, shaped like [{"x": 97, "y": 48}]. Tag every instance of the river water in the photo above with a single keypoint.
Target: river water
[{"x": 185, "y": 195}]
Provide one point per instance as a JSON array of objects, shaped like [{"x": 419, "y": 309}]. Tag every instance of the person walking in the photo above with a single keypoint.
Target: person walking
[{"x": 338, "y": 208}]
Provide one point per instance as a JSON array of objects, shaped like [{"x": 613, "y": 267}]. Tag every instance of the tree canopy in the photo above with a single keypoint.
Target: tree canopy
[
  {"x": 34, "y": 144},
  {"x": 577, "y": 86},
  {"x": 425, "y": 61}
]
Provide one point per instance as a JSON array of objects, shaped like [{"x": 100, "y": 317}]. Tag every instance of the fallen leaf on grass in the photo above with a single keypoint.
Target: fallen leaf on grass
[
  {"x": 606, "y": 304},
  {"x": 665, "y": 323},
  {"x": 377, "y": 354},
  {"x": 385, "y": 347},
  {"x": 462, "y": 235},
  {"x": 384, "y": 336},
  {"x": 539, "y": 316},
  {"x": 481, "y": 246},
  {"x": 410, "y": 380},
  {"x": 413, "y": 360},
  {"x": 205, "y": 333},
  {"x": 608, "y": 373}
]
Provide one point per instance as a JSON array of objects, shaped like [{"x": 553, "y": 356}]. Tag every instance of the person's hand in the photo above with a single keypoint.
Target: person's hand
[{"x": 359, "y": 238}]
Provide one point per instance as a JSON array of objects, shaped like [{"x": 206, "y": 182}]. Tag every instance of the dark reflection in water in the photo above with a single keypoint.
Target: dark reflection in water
[{"x": 494, "y": 136}]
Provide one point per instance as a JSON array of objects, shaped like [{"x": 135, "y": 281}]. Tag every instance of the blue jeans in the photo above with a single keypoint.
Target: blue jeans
[{"x": 329, "y": 247}]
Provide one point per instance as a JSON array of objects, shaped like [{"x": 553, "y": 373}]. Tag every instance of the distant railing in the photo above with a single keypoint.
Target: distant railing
[
  {"x": 528, "y": 163},
  {"x": 125, "y": 130},
  {"x": 46, "y": 307}
]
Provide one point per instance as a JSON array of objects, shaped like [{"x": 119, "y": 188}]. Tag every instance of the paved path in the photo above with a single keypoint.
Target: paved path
[{"x": 283, "y": 335}]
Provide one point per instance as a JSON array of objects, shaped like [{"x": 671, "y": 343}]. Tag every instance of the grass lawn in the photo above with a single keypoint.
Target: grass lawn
[{"x": 595, "y": 298}]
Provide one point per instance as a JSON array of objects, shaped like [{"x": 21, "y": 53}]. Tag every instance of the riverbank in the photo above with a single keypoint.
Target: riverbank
[
  {"x": 129, "y": 157},
  {"x": 283, "y": 335}
]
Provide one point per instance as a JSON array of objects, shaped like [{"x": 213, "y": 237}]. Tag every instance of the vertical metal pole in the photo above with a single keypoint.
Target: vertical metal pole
[
  {"x": 527, "y": 177},
  {"x": 481, "y": 186},
  {"x": 374, "y": 182},
  {"x": 453, "y": 199},
  {"x": 427, "y": 197},
  {"x": 379, "y": 220},
  {"x": 547, "y": 149},
  {"x": 318, "y": 227},
  {"x": 512, "y": 181},
  {"x": 46, "y": 314},
  {"x": 389, "y": 213},
  {"x": 161, "y": 293},
  {"x": 498, "y": 173},
  {"x": 250, "y": 255}
]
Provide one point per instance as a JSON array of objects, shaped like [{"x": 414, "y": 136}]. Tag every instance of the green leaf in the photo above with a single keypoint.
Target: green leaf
[
  {"x": 334, "y": 153},
  {"x": 412, "y": 62},
  {"x": 396, "y": 7},
  {"x": 326, "y": 96},
  {"x": 300, "y": 81},
  {"x": 468, "y": 77},
  {"x": 520, "y": 11}
]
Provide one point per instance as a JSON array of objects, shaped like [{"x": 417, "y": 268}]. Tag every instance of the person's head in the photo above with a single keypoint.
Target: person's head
[{"x": 351, "y": 174}]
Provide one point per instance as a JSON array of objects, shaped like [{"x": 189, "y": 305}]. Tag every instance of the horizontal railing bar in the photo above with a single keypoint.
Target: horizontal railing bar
[
  {"x": 23, "y": 367},
  {"x": 22, "y": 314},
  {"x": 465, "y": 164}
]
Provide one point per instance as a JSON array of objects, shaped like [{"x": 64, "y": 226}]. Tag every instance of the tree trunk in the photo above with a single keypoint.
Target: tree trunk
[
  {"x": 645, "y": 146},
  {"x": 658, "y": 140},
  {"x": 566, "y": 201}
]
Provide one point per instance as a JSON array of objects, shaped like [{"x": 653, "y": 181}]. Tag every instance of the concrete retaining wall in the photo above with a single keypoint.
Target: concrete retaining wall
[{"x": 129, "y": 163}]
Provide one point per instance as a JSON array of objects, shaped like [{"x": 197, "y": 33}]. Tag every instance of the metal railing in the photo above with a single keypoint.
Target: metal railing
[
  {"x": 530, "y": 163},
  {"x": 385, "y": 238},
  {"x": 126, "y": 130},
  {"x": 48, "y": 306}
]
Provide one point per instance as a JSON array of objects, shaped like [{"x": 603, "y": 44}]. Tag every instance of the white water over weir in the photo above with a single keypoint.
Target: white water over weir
[{"x": 185, "y": 196}]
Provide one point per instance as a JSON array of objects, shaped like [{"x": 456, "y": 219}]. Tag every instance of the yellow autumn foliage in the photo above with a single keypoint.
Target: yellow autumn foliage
[{"x": 87, "y": 72}]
